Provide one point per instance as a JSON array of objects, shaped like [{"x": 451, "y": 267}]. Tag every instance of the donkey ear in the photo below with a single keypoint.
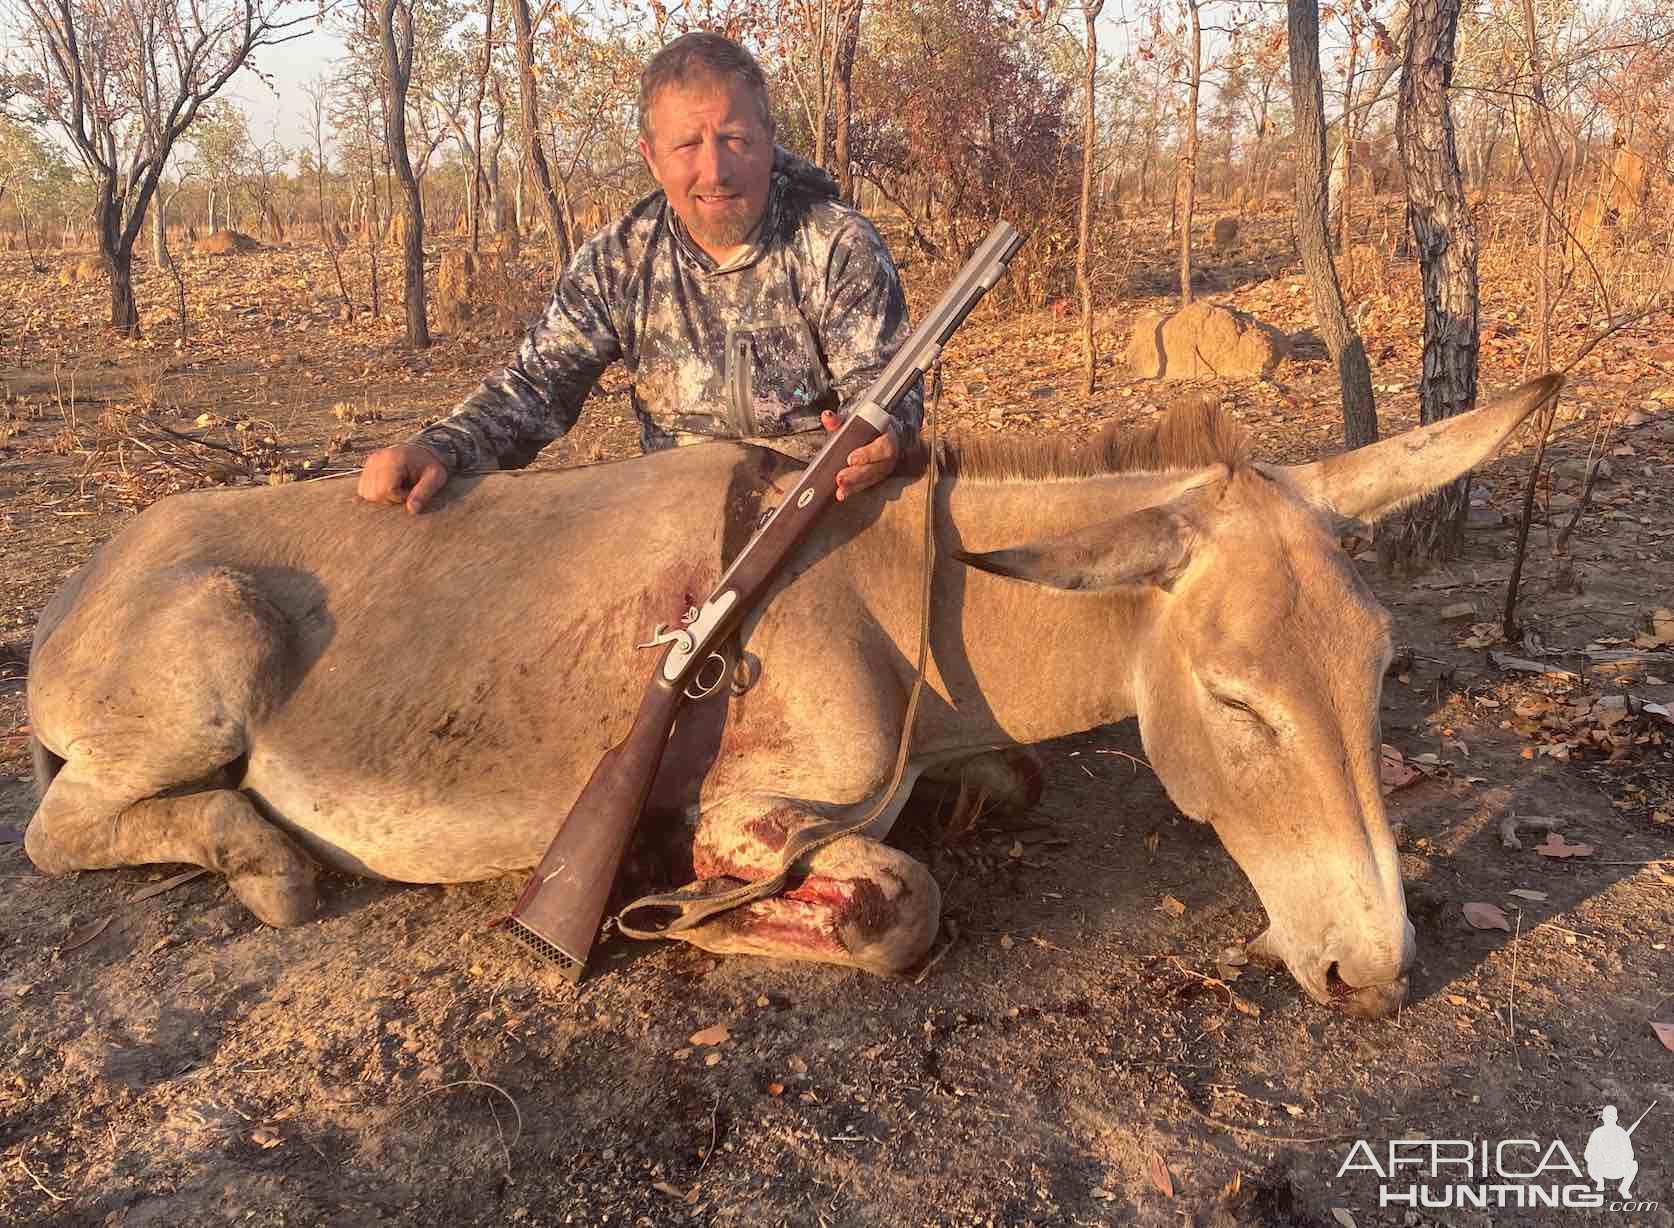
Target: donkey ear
[
  {"x": 1151, "y": 547},
  {"x": 1371, "y": 482}
]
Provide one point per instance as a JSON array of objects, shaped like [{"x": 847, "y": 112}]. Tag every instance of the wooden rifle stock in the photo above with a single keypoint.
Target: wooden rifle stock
[{"x": 563, "y": 903}]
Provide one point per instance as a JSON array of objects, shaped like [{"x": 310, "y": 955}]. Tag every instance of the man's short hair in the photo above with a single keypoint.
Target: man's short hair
[{"x": 702, "y": 56}]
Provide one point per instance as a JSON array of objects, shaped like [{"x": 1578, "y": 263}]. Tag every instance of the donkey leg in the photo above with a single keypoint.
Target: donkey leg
[
  {"x": 954, "y": 795},
  {"x": 82, "y": 824},
  {"x": 145, "y": 745},
  {"x": 861, "y": 903}
]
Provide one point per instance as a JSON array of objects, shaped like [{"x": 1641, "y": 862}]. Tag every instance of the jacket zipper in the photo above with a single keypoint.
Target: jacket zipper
[{"x": 743, "y": 387}]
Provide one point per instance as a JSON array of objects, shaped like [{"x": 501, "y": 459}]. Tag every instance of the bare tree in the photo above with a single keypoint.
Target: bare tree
[
  {"x": 533, "y": 149},
  {"x": 487, "y": 68},
  {"x": 360, "y": 139},
  {"x": 35, "y": 176},
  {"x": 395, "y": 28},
  {"x": 1157, "y": 91},
  {"x": 1090, "y": 10},
  {"x": 166, "y": 192},
  {"x": 319, "y": 92},
  {"x": 124, "y": 79},
  {"x": 1446, "y": 243},
  {"x": 812, "y": 34},
  {"x": 1185, "y": 186},
  {"x": 267, "y": 166},
  {"x": 1351, "y": 130},
  {"x": 841, "y": 152},
  {"x": 1354, "y": 373}
]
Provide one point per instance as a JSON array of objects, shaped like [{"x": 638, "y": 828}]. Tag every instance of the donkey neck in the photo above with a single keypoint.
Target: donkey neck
[{"x": 1010, "y": 660}]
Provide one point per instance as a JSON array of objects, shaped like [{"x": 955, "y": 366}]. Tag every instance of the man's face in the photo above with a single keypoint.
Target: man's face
[{"x": 713, "y": 155}]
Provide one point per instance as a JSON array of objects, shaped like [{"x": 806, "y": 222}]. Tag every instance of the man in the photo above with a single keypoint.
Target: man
[{"x": 744, "y": 298}]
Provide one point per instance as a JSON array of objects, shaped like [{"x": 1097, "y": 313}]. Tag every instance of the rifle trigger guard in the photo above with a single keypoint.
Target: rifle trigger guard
[
  {"x": 704, "y": 692},
  {"x": 660, "y": 635}
]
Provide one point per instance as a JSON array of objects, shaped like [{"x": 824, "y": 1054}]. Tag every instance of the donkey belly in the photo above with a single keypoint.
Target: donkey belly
[{"x": 414, "y": 827}]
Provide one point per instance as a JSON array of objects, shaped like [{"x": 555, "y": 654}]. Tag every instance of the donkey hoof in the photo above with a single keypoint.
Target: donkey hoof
[{"x": 279, "y": 900}]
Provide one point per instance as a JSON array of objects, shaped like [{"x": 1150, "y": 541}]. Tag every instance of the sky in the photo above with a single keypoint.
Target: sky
[{"x": 279, "y": 113}]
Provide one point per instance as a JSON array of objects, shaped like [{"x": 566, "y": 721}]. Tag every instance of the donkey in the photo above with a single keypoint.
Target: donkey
[{"x": 262, "y": 680}]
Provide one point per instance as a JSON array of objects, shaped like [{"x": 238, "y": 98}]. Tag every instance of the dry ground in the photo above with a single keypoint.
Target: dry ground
[{"x": 1074, "y": 1050}]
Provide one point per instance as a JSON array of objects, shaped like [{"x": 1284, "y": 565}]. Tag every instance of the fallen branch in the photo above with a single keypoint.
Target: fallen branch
[
  {"x": 953, "y": 939},
  {"x": 1523, "y": 665},
  {"x": 1218, "y": 1124},
  {"x": 39, "y": 1184},
  {"x": 1533, "y": 822}
]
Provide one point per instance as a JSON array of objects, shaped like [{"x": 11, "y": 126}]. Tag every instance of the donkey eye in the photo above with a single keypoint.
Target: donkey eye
[{"x": 1242, "y": 708}]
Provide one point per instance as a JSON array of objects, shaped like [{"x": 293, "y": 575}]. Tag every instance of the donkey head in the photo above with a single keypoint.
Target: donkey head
[{"x": 1258, "y": 679}]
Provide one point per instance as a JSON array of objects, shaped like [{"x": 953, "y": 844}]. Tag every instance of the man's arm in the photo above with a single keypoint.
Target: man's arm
[
  {"x": 518, "y": 410},
  {"x": 865, "y": 318},
  {"x": 863, "y": 324}
]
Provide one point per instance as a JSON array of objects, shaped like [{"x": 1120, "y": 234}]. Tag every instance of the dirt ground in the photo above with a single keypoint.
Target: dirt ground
[{"x": 1076, "y": 1052}]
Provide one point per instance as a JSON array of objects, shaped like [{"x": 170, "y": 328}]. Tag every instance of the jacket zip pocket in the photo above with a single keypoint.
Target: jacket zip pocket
[{"x": 743, "y": 385}]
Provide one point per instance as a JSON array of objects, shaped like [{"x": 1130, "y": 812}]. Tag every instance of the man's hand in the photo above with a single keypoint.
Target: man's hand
[
  {"x": 406, "y": 473},
  {"x": 866, "y": 466}
]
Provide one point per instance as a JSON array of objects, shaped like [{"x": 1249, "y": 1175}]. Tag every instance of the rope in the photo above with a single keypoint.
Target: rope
[{"x": 693, "y": 909}]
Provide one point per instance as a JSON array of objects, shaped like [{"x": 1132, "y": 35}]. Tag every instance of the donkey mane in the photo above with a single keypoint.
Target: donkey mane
[{"x": 1192, "y": 435}]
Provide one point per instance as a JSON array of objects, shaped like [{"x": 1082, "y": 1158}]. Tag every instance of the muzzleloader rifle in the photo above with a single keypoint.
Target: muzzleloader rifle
[{"x": 563, "y": 903}]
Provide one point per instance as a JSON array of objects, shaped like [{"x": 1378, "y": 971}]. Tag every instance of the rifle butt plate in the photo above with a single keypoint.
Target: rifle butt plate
[{"x": 571, "y": 967}]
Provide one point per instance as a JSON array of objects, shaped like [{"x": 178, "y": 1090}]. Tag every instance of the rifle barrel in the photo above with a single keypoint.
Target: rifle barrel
[{"x": 978, "y": 275}]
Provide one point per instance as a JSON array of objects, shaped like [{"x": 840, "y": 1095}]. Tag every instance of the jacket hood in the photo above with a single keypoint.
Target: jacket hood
[{"x": 802, "y": 175}]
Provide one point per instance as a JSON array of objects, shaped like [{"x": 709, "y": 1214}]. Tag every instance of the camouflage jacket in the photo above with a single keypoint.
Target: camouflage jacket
[{"x": 804, "y": 320}]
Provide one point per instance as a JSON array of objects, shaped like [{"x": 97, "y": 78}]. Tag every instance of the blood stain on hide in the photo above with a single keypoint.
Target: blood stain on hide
[
  {"x": 870, "y": 910},
  {"x": 857, "y": 902},
  {"x": 786, "y": 927},
  {"x": 772, "y": 829},
  {"x": 710, "y": 862}
]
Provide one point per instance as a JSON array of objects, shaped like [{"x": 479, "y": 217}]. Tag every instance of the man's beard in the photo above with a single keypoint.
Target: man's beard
[{"x": 728, "y": 229}]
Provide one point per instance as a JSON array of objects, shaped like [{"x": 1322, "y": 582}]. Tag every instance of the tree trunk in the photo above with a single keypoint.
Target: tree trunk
[
  {"x": 845, "y": 100},
  {"x": 476, "y": 136},
  {"x": 1084, "y": 237},
  {"x": 1253, "y": 175},
  {"x": 1307, "y": 88},
  {"x": 1555, "y": 154},
  {"x": 1349, "y": 129},
  {"x": 1186, "y": 191},
  {"x": 1151, "y": 131},
  {"x": 398, "y": 68},
  {"x": 533, "y": 151},
  {"x": 159, "y": 220},
  {"x": 119, "y": 259},
  {"x": 374, "y": 231},
  {"x": 1446, "y": 243},
  {"x": 822, "y": 139},
  {"x": 494, "y": 159}
]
